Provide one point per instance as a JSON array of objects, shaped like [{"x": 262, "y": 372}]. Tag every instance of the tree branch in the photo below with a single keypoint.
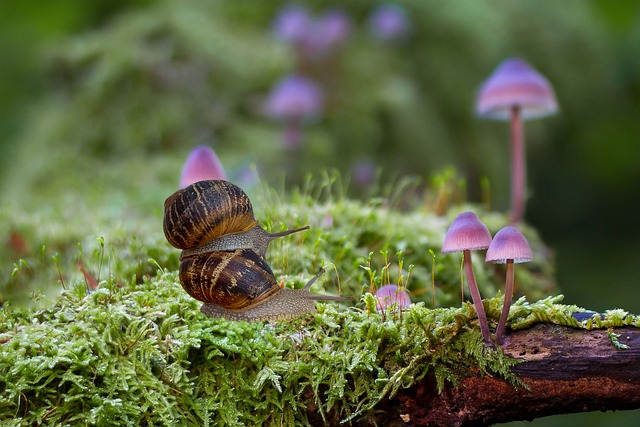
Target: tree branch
[{"x": 566, "y": 370}]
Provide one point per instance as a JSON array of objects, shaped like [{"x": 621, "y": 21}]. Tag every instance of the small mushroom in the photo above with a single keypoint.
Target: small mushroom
[
  {"x": 515, "y": 91},
  {"x": 467, "y": 233},
  {"x": 509, "y": 246},
  {"x": 389, "y": 22},
  {"x": 202, "y": 164},
  {"x": 388, "y": 295}
]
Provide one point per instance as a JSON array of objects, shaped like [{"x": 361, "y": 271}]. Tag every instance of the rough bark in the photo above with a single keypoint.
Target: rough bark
[{"x": 566, "y": 370}]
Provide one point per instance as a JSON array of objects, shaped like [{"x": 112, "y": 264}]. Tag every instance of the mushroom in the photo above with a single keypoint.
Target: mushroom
[
  {"x": 202, "y": 164},
  {"x": 293, "y": 100},
  {"x": 515, "y": 91},
  {"x": 389, "y": 22},
  {"x": 508, "y": 246},
  {"x": 388, "y": 295},
  {"x": 467, "y": 233},
  {"x": 291, "y": 24},
  {"x": 312, "y": 38}
]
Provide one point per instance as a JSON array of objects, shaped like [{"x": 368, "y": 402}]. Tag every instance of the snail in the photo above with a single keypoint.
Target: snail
[
  {"x": 215, "y": 215},
  {"x": 222, "y": 263},
  {"x": 239, "y": 285}
]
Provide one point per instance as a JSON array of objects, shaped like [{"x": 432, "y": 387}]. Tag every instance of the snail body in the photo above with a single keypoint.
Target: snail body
[
  {"x": 256, "y": 238},
  {"x": 223, "y": 259}
]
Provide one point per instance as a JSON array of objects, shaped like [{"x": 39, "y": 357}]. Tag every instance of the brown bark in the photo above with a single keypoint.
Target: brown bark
[{"x": 567, "y": 370}]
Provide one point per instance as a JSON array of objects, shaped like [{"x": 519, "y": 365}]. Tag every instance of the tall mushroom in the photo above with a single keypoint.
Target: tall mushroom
[
  {"x": 509, "y": 246},
  {"x": 515, "y": 91},
  {"x": 467, "y": 233}
]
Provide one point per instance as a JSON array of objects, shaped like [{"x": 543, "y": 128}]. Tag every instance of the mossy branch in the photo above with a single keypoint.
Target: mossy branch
[
  {"x": 565, "y": 370},
  {"x": 141, "y": 353}
]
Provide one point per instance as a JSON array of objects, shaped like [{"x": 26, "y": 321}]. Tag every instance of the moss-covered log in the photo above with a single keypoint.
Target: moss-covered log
[
  {"x": 565, "y": 370},
  {"x": 129, "y": 353}
]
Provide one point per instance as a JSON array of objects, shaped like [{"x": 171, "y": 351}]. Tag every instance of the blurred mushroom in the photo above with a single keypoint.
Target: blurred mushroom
[
  {"x": 293, "y": 100},
  {"x": 292, "y": 23},
  {"x": 312, "y": 38},
  {"x": 508, "y": 246},
  {"x": 202, "y": 164},
  {"x": 331, "y": 30},
  {"x": 388, "y": 295},
  {"x": 389, "y": 21},
  {"x": 515, "y": 91},
  {"x": 465, "y": 234}
]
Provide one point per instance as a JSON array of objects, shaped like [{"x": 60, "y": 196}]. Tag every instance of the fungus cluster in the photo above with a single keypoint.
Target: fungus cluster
[{"x": 467, "y": 233}]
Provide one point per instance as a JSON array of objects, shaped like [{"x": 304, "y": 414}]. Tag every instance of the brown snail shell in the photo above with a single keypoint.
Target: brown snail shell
[
  {"x": 214, "y": 215},
  {"x": 239, "y": 285},
  {"x": 232, "y": 279},
  {"x": 223, "y": 259}
]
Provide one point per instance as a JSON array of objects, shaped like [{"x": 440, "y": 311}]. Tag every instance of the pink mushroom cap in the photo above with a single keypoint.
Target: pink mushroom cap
[
  {"x": 466, "y": 232},
  {"x": 509, "y": 243},
  {"x": 388, "y": 295},
  {"x": 202, "y": 164},
  {"x": 514, "y": 83}
]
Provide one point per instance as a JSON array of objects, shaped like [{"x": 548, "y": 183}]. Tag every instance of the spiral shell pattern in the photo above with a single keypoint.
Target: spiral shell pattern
[
  {"x": 235, "y": 280},
  {"x": 206, "y": 210}
]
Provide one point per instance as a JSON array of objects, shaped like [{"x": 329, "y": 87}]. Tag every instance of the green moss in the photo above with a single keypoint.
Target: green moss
[
  {"x": 135, "y": 350},
  {"x": 143, "y": 354}
]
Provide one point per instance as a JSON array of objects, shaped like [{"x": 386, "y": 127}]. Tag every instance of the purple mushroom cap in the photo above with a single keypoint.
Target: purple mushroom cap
[
  {"x": 202, "y": 164},
  {"x": 389, "y": 21},
  {"x": 294, "y": 98},
  {"x": 292, "y": 24},
  {"x": 388, "y": 295},
  {"x": 334, "y": 26},
  {"x": 515, "y": 83},
  {"x": 466, "y": 232},
  {"x": 509, "y": 244}
]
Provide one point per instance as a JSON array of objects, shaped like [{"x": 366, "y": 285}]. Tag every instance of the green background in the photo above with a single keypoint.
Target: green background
[{"x": 80, "y": 101}]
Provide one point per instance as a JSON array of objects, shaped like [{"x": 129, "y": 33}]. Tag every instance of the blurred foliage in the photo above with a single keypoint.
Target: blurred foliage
[{"x": 171, "y": 76}]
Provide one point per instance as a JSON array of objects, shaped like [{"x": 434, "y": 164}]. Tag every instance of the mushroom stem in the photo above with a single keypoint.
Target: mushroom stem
[
  {"x": 508, "y": 294},
  {"x": 518, "y": 166},
  {"x": 475, "y": 296},
  {"x": 292, "y": 134}
]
